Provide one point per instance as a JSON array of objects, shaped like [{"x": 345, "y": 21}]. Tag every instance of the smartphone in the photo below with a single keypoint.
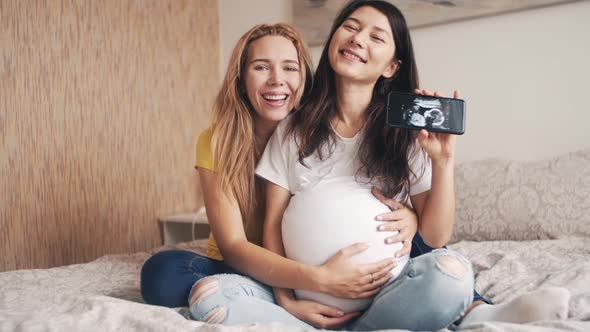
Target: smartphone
[{"x": 438, "y": 114}]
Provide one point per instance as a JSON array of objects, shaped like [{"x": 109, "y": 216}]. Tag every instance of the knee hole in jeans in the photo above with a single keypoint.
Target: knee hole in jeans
[
  {"x": 202, "y": 289},
  {"x": 451, "y": 266},
  {"x": 216, "y": 316}
]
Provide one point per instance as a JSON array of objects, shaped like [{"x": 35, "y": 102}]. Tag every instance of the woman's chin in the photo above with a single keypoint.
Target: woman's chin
[
  {"x": 274, "y": 115},
  {"x": 351, "y": 74}
]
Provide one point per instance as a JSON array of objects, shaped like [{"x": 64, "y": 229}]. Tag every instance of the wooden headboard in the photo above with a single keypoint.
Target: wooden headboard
[{"x": 100, "y": 106}]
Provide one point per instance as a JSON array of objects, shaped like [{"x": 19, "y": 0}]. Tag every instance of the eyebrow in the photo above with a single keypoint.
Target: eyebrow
[
  {"x": 269, "y": 61},
  {"x": 356, "y": 20}
]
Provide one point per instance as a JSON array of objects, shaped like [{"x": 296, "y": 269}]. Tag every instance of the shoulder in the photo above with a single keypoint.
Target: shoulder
[
  {"x": 204, "y": 152},
  {"x": 204, "y": 141}
]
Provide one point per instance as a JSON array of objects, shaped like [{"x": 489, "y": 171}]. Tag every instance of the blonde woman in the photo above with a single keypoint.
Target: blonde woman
[{"x": 268, "y": 73}]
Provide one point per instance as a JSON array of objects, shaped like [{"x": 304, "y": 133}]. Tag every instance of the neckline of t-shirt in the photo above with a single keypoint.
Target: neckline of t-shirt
[{"x": 349, "y": 139}]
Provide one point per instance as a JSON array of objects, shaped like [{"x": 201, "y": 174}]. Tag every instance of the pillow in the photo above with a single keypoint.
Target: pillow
[{"x": 517, "y": 200}]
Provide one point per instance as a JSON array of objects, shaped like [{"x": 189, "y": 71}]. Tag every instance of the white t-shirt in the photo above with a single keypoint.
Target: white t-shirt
[{"x": 331, "y": 208}]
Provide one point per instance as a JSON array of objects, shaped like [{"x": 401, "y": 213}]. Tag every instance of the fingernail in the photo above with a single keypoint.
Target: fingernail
[
  {"x": 389, "y": 241},
  {"x": 340, "y": 313},
  {"x": 379, "y": 218},
  {"x": 381, "y": 227},
  {"x": 397, "y": 255}
]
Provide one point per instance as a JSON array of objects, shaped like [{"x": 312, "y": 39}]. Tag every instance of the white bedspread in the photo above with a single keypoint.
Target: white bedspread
[{"x": 103, "y": 295}]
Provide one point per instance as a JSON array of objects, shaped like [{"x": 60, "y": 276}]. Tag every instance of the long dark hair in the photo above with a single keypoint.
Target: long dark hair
[{"x": 384, "y": 152}]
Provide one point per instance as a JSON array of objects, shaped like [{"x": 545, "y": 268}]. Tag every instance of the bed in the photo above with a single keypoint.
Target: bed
[{"x": 523, "y": 225}]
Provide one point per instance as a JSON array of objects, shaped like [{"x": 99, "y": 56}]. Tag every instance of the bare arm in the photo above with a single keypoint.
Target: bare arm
[
  {"x": 226, "y": 224},
  {"x": 436, "y": 208},
  {"x": 277, "y": 199},
  {"x": 338, "y": 276}
]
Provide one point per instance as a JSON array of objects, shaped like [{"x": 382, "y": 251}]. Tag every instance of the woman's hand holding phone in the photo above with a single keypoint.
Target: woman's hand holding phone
[
  {"x": 425, "y": 110},
  {"x": 440, "y": 147}
]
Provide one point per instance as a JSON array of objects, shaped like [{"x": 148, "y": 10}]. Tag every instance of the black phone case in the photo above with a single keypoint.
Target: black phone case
[{"x": 449, "y": 120}]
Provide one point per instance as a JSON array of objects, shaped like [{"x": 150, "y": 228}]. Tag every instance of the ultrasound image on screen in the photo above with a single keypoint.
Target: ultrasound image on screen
[{"x": 427, "y": 113}]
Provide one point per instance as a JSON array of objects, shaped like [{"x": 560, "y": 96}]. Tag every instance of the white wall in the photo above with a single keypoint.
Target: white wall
[{"x": 524, "y": 75}]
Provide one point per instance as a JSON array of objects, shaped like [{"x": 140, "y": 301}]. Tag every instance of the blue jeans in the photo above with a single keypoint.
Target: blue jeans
[
  {"x": 167, "y": 276},
  {"x": 239, "y": 299},
  {"x": 419, "y": 247},
  {"x": 431, "y": 293}
]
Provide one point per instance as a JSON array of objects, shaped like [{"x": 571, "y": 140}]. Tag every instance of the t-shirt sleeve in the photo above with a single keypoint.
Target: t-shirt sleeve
[
  {"x": 421, "y": 167},
  {"x": 273, "y": 165},
  {"x": 204, "y": 153}
]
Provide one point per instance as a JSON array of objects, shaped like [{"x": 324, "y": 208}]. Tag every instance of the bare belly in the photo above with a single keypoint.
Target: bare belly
[{"x": 320, "y": 221}]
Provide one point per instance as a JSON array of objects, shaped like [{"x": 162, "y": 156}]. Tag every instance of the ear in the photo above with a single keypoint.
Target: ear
[{"x": 392, "y": 69}]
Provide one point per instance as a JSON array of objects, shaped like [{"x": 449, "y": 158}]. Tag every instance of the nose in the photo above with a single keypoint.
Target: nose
[
  {"x": 276, "y": 78},
  {"x": 358, "y": 39}
]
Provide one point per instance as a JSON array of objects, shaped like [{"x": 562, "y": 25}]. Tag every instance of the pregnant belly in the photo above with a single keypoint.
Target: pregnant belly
[{"x": 320, "y": 221}]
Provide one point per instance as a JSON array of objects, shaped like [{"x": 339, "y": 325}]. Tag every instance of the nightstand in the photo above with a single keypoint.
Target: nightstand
[{"x": 178, "y": 228}]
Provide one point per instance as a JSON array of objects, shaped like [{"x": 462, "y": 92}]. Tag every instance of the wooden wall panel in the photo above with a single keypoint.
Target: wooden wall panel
[{"x": 100, "y": 106}]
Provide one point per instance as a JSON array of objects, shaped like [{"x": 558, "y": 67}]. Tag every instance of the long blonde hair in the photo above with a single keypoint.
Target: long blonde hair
[{"x": 235, "y": 151}]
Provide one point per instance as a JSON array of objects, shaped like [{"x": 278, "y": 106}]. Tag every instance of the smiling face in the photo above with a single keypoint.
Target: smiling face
[
  {"x": 362, "y": 47},
  {"x": 272, "y": 77}
]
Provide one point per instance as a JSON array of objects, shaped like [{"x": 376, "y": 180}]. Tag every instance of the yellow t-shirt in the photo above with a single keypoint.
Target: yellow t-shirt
[{"x": 205, "y": 160}]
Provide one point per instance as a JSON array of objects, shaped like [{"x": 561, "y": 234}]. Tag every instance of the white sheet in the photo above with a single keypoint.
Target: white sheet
[{"x": 103, "y": 295}]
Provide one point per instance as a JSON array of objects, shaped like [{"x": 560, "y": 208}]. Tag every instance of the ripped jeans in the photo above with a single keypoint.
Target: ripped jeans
[{"x": 431, "y": 293}]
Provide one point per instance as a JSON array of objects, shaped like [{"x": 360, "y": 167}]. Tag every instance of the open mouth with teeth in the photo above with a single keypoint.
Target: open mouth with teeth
[
  {"x": 351, "y": 56},
  {"x": 275, "y": 99}
]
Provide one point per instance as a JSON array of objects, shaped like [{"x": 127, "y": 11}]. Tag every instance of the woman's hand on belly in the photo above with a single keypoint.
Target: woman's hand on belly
[
  {"x": 401, "y": 219},
  {"x": 339, "y": 276},
  {"x": 317, "y": 314}
]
